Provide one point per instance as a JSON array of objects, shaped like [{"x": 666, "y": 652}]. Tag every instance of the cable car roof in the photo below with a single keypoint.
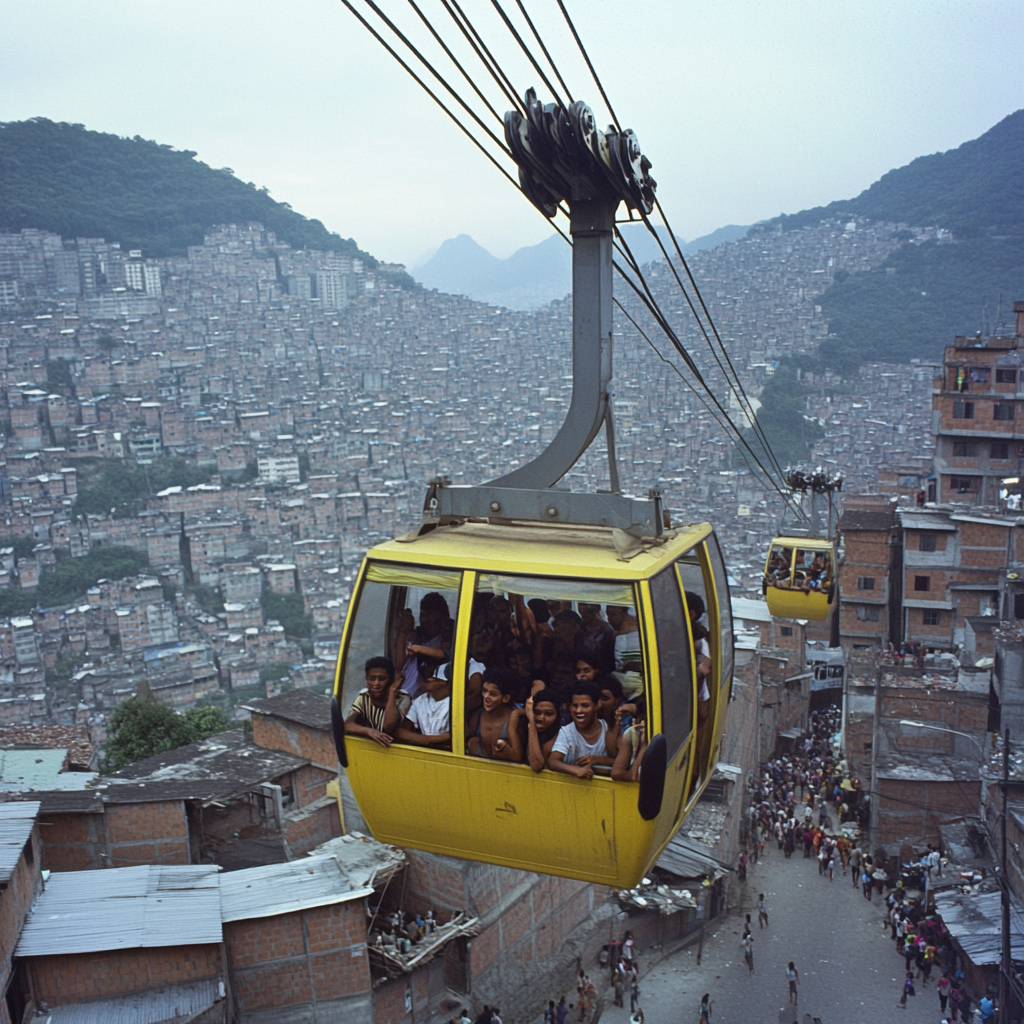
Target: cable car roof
[
  {"x": 802, "y": 542},
  {"x": 544, "y": 550}
]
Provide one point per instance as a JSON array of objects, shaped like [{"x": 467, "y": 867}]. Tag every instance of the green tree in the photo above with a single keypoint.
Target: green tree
[
  {"x": 142, "y": 727},
  {"x": 58, "y": 375},
  {"x": 205, "y": 721},
  {"x": 78, "y": 183},
  {"x": 290, "y": 611},
  {"x": 783, "y": 418}
]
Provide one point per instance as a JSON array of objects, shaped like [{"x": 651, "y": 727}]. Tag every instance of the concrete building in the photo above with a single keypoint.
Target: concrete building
[{"x": 977, "y": 411}]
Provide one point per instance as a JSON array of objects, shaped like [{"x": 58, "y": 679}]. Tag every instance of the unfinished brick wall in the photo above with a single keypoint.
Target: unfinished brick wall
[
  {"x": 74, "y": 842},
  {"x": 310, "y": 784},
  {"x": 149, "y": 833},
  {"x": 302, "y": 960},
  {"x": 911, "y": 811},
  {"x": 274, "y": 733},
  {"x": 75, "y": 977},
  {"x": 536, "y": 929},
  {"x": 308, "y": 827}
]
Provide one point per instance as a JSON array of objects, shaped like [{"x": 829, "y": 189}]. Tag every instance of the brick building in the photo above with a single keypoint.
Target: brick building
[
  {"x": 286, "y": 942},
  {"x": 225, "y": 801},
  {"x": 977, "y": 404},
  {"x": 20, "y": 883},
  {"x": 869, "y": 581},
  {"x": 918, "y": 777}
]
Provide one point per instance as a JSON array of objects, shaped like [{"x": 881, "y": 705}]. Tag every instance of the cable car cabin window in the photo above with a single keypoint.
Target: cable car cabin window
[
  {"x": 698, "y": 583},
  {"x": 780, "y": 566},
  {"x": 533, "y": 637},
  {"x": 723, "y": 606},
  {"x": 405, "y": 620},
  {"x": 812, "y": 569},
  {"x": 674, "y": 660}
]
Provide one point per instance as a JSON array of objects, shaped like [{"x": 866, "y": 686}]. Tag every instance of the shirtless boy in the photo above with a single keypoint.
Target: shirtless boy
[{"x": 495, "y": 727}]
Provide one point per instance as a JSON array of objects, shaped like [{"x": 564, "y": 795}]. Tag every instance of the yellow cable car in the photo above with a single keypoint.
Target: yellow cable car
[
  {"x": 487, "y": 569},
  {"x": 449, "y": 802},
  {"x": 800, "y": 578}
]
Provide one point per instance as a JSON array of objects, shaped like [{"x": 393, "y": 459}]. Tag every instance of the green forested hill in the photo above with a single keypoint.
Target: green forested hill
[
  {"x": 924, "y": 295},
  {"x": 971, "y": 190},
  {"x": 78, "y": 183}
]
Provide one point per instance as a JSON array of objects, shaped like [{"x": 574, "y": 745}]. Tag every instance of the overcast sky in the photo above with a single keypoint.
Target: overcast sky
[{"x": 747, "y": 108}]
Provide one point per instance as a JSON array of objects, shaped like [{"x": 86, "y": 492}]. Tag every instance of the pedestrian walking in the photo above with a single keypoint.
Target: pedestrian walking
[
  {"x": 762, "y": 912},
  {"x": 793, "y": 977},
  {"x": 956, "y": 997},
  {"x": 943, "y": 987},
  {"x": 634, "y": 996},
  {"x": 867, "y": 884},
  {"x": 855, "y": 865},
  {"x": 908, "y": 990},
  {"x": 705, "y": 1008},
  {"x": 748, "y": 951}
]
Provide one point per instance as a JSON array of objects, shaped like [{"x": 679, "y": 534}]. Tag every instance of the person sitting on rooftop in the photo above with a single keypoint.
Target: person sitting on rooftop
[
  {"x": 582, "y": 743},
  {"x": 378, "y": 711}
]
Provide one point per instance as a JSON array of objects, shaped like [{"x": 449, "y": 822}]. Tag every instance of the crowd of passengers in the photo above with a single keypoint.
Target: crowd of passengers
[
  {"x": 810, "y": 571},
  {"x": 547, "y": 685}
]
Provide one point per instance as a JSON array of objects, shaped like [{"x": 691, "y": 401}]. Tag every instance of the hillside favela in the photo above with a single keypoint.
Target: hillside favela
[{"x": 496, "y": 641}]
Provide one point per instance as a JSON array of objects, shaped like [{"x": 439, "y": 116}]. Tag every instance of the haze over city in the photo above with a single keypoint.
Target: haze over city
[{"x": 747, "y": 109}]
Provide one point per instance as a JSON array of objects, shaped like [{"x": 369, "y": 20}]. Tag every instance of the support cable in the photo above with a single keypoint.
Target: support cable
[
  {"x": 528, "y": 53},
  {"x": 544, "y": 49},
  {"x": 734, "y": 385},
  {"x": 593, "y": 72}
]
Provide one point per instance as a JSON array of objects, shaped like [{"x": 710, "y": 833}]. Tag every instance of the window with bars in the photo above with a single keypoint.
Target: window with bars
[
  {"x": 1006, "y": 376},
  {"x": 865, "y": 582},
  {"x": 931, "y": 617},
  {"x": 999, "y": 450},
  {"x": 963, "y": 410},
  {"x": 922, "y": 583},
  {"x": 868, "y": 613},
  {"x": 963, "y": 449},
  {"x": 1002, "y": 410}
]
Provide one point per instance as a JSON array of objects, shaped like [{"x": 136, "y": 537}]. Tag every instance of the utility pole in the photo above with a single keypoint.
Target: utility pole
[{"x": 1005, "y": 963}]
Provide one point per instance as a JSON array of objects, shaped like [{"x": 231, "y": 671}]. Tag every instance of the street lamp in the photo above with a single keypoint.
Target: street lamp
[{"x": 1005, "y": 963}]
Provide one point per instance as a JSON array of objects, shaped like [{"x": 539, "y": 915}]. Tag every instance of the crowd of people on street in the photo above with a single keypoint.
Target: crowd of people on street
[{"x": 807, "y": 801}]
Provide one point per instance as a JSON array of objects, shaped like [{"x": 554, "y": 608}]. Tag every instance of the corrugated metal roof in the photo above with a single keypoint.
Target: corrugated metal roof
[
  {"x": 16, "y": 821},
  {"x": 363, "y": 860},
  {"x": 975, "y": 921},
  {"x": 282, "y": 888},
  {"x": 687, "y": 858},
  {"x": 142, "y": 1007},
  {"x": 123, "y": 908},
  {"x": 925, "y": 521},
  {"x": 22, "y": 770}
]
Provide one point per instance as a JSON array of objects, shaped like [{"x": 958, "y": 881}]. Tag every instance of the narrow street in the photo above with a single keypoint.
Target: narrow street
[{"x": 849, "y": 970}]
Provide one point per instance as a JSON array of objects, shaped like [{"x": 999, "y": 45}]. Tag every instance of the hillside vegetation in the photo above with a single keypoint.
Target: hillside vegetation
[
  {"x": 78, "y": 183},
  {"x": 924, "y": 295},
  {"x": 972, "y": 190}
]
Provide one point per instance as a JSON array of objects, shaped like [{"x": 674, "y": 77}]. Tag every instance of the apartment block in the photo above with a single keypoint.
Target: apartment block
[{"x": 978, "y": 417}]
